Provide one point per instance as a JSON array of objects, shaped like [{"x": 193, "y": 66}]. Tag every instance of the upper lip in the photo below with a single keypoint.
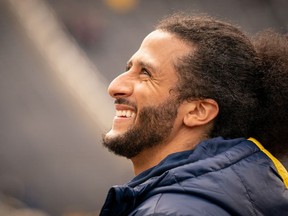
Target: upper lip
[{"x": 124, "y": 107}]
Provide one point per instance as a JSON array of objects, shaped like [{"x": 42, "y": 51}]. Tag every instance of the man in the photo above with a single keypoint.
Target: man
[{"x": 190, "y": 98}]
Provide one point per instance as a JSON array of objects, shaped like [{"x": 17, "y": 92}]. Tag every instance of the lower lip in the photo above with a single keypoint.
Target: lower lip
[
  {"x": 122, "y": 123},
  {"x": 117, "y": 118}
]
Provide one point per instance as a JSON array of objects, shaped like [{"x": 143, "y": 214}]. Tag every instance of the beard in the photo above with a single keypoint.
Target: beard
[{"x": 154, "y": 125}]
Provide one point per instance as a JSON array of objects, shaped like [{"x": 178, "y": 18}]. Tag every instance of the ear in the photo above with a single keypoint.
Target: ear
[{"x": 200, "y": 112}]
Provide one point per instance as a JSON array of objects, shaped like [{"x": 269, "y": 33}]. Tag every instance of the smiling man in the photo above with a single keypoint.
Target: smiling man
[
  {"x": 148, "y": 112},
  {"x": 190, "y": 98}
]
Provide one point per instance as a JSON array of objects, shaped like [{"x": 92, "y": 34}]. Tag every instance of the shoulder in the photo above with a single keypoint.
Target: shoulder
[{"x": 177, "y": 204}]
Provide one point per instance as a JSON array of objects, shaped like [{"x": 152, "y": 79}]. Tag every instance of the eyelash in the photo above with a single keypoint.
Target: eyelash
[
  {"x": 143, "y": 71},
  {"x": 127, "y": 68},
  {"x": 146, "y": 72}
]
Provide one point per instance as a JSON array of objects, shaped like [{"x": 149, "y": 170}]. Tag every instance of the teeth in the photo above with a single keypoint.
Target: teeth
[
  {"x": 125, "y": 113},
  {"x": 128, "y": 113}
]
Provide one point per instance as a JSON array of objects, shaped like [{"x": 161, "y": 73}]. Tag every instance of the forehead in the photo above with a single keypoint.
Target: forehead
[
  {"x": 165, "y": 43},
  {"x": 160, "y": 48}
]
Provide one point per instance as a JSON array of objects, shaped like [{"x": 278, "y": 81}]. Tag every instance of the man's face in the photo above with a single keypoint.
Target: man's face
[{"x": 146, "y": 96}]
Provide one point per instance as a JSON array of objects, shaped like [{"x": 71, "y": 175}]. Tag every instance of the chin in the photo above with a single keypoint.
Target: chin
[{"x": 112, "y": 134}]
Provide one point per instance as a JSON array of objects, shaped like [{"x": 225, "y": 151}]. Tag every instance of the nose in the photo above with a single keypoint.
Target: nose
[{"x": 121, "y": 86}]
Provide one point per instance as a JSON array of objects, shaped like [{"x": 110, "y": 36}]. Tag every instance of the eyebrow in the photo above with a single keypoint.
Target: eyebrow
[{"x": 143, "y": 64}]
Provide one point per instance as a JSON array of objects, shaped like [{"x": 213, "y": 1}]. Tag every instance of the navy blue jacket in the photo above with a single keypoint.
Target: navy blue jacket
[{"x": 219, "y": 177}]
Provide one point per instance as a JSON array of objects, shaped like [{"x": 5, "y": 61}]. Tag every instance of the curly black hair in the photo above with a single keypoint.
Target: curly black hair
[
  {"x": 272, "y": 50},
  {"x": 248, "y": 80}
]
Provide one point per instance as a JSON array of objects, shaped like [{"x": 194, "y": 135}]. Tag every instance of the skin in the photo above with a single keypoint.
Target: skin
[{"x": 150, "y": 80}]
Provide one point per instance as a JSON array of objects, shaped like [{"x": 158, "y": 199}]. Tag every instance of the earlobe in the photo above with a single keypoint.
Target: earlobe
[{"x": 200, "y": 112}]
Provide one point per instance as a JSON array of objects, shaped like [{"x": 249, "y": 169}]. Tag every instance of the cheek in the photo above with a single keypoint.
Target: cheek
[{"x": 150, "y": 96}]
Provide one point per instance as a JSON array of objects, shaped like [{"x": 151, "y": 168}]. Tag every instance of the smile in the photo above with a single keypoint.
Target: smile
[{"x": 125, "y": 113}]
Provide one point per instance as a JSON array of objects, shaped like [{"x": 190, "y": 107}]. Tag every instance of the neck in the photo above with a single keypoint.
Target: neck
[
  {"x": 147, "y": 159},
  {"x": 152, "y": 156}
]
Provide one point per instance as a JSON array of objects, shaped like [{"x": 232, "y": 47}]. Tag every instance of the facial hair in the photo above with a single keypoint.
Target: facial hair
[{"x": 154, "y": 125}]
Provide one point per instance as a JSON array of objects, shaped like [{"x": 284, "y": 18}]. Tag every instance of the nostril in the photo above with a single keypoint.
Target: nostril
[
  {"x": 118, "y": 94},
  {"x": 118, "y": 91}
]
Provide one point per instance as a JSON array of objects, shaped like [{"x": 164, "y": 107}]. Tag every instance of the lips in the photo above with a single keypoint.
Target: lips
[{"x": 124, "y": 111}]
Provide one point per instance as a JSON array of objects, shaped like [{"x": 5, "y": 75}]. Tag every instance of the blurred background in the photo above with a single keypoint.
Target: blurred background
[{"x": 57, "y": 58}]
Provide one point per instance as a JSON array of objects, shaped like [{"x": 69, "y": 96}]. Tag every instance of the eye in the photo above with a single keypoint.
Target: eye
[
  {"x": 145, "y": 72},
  {"x": 127, "y": 67}
]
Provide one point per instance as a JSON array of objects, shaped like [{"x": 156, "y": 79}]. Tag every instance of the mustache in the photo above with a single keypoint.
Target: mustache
[{"x": 126, "y": 102}]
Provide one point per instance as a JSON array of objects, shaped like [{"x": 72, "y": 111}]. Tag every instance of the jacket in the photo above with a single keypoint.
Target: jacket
[{"x": 219, "y": 177}]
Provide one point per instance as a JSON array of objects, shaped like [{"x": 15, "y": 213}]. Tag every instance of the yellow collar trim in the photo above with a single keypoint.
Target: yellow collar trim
[{"x": 280, "y": 168}]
